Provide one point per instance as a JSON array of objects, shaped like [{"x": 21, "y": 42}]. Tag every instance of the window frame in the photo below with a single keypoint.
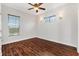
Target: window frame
[
  {"x": 49, "y": 20},
  {"x": 18, "y": 26}
]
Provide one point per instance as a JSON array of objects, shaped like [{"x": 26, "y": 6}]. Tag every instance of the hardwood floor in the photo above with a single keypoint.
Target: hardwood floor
[{"x": 37, "y": 47}]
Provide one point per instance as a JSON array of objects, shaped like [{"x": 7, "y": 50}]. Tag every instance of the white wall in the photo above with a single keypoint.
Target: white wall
[
  {"x": 0, "y": 31},
  {"x": 62, "y": 31},
  {"x": 78, "y": 28},
  {"x": 0, "y": 7},
  {"x": 27, "y": 25}
]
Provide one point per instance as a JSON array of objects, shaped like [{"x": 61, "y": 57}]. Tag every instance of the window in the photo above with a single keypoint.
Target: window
[
  {"x": 50, "y": 19},
  {"x": 13, "y": 24}
]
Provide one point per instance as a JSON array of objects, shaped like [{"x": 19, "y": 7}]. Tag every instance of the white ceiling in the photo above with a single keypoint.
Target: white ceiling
[{"x": 24, "y": 7}]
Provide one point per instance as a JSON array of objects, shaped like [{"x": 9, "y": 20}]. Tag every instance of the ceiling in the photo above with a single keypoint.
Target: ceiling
[{"x": 24, "y": 7}]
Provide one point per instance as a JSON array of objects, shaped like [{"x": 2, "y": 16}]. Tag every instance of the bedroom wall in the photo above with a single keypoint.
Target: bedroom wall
[
  {"x": 78, "y": 28},
  {"x": 0, "y": 31},
  {"x": 62, "y": 30},
  {"x": 27, "y": 25}
]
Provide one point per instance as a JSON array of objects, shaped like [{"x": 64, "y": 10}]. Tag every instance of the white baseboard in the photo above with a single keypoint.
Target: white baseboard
[
  {"x": 37, "y": 37},
  {"x": 56, "y": 41},
  {"x": 17, "y": 40}
]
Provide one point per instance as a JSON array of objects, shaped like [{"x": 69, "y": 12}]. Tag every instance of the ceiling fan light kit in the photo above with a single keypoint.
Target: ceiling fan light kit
[{"x": 36, "y": 7}]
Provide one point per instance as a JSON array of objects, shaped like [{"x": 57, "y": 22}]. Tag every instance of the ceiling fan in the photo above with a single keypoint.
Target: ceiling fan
[{"x": 36, "y": 7}]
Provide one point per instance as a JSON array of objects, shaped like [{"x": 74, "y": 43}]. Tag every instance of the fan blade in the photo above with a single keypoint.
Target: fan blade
[
  {"x": 40, "y": 4},
  {"x": 36, "y": 11},
  {"x": 30, "y": 8},
  {"x": 30, "y": 4},
  {"x": 42, "y": 8}
]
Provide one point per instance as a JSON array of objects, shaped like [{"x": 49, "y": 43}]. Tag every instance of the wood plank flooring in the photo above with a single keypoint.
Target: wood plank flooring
[{"x": 37, "y": 47}]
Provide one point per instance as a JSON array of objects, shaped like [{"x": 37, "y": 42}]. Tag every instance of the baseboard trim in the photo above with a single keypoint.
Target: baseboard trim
[
  {"x": 37, "y": 37},
  {"x": 17, "y": 40},
  {"x": 57, "y": 42}
]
